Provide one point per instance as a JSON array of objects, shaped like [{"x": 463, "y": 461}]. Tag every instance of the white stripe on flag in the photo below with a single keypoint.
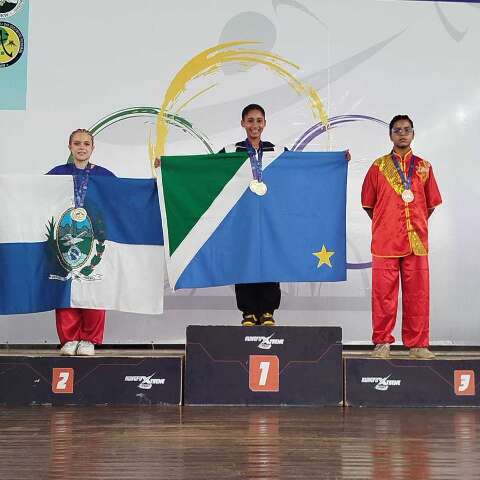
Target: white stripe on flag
[
  {"x": 212, "y": 217},
  {"x": 163, "y": 213},
  {"x": 37, "y": 198},
  {"x": 132, "y": 280}
]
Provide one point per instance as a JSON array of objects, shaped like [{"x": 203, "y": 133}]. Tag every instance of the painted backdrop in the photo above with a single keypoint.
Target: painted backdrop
[{"x": 107, "y": 65}]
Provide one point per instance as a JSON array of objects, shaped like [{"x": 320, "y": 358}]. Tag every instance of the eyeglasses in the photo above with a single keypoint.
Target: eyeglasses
[{"x": 406, "y": 130}]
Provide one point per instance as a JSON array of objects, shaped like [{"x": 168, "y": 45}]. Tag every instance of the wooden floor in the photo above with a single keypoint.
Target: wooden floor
[{"x": 238, "y": 443}]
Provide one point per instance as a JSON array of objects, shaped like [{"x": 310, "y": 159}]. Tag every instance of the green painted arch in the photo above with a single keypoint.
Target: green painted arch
[{"x": 132, "y": 112}]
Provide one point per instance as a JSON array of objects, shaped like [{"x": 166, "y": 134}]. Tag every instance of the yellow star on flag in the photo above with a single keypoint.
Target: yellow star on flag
[{"x": 324, "y": 257}]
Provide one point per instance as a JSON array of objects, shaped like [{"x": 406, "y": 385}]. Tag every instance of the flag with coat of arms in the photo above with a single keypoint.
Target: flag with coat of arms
[{"x": 111, "y": 257}]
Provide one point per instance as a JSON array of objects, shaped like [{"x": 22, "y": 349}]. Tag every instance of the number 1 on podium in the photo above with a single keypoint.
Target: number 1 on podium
[{"x": 264, "y": 373}]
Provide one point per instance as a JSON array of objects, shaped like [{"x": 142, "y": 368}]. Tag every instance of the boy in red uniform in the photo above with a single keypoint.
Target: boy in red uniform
[{"x": 399, "y": 194}]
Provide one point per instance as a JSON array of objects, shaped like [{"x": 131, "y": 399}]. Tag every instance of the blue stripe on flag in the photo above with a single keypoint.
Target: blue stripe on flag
[
  {"x": 128, "y": 207},
  {"x": 273, "y": 238},
  {"x": 24, "y": 279}
]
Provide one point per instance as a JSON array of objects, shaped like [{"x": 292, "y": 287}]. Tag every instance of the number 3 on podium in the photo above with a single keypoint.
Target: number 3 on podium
[{"x": 264, "y": 373}]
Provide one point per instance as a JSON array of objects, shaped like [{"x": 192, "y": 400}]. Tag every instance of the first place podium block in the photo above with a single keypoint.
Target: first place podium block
[{"x": 263, "y": 366}]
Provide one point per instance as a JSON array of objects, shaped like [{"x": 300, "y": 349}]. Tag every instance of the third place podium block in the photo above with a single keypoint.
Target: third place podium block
[
  {"x": 400, "y": 382},
  {"x": 263, "y": 366}
]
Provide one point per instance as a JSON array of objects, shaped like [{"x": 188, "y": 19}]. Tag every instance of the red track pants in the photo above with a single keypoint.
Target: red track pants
[
  {"x": 415, "y": 299},
  {"x": 80, "y": 324}
]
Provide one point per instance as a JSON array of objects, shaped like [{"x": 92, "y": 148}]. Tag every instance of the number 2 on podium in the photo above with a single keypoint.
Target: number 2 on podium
[
  {"x": 264, "y": 373},
  {"x": 62, "y": 380}
]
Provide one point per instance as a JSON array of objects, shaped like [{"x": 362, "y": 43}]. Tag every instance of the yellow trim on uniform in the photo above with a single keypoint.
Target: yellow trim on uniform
[{"x": 387, "y": 167}]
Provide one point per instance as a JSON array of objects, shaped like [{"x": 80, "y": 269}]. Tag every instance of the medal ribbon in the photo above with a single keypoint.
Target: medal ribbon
[
  {"x": 407, "y": 182},
  {"x": 80, "y": 184},
  {"x": 255, "y": 159}
]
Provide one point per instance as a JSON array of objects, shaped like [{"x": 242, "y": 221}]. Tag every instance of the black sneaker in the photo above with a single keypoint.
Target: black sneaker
[
  {"x": 267, "y": 320},
  {"x": 249, "y": 320}
]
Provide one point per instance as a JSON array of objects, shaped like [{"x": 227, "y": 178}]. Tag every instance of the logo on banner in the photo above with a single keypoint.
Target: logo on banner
[
  {"x": 8, "y": 8},
  {"x": 62, "y": 380},
  {"x": 464, "y": 382},
  {"x": 78, "y": 242},
  {"x": 11, "y": 44},
  {"x": 144, "y": 382},
  {"x": 382, "y": 383},
  {"x": 265, "y": 343}
]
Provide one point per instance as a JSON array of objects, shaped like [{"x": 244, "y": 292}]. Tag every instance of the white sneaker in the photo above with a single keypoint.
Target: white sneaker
[
  {"x": 86, "y": 348},
  {"x": 69, "y": 348}
]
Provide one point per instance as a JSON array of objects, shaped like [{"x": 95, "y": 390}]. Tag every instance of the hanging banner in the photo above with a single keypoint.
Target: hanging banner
[{"x": 13, "y": 54}]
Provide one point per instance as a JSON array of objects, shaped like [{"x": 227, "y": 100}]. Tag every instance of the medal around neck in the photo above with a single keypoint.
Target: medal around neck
[
  {"x": 407, "y": 196},
  {"x": 78, "y": 214},
  {"x": 258, "y": 188}
]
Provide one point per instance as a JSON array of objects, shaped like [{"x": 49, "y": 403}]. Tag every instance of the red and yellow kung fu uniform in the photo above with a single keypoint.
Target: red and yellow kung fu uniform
[{"x": 400, "y": 246}]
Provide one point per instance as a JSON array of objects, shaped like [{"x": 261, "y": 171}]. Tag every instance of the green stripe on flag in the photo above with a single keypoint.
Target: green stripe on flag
[{"x": 185, "y": 203}]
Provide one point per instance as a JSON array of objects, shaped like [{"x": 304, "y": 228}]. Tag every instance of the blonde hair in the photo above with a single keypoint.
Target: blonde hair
[{"x": 80, "y": 130}]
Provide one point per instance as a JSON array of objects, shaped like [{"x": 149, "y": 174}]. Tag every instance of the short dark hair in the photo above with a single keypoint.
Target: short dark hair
[
  {"x": 396, "y": 118},
  {"x": 249, "y": 108}
]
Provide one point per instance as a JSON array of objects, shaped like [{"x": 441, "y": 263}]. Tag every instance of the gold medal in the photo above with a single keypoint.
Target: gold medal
[
  {"x": 258, "y": 187},
  {"x": 78, "y": 214},
  {"x": 407, "y": 196}
]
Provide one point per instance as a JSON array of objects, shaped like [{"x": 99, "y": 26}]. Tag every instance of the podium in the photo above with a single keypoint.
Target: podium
[
  {"x": 263, "y": 366},
  {"x": 412, "y": 383},
  {"x": 100, "y": 380}
]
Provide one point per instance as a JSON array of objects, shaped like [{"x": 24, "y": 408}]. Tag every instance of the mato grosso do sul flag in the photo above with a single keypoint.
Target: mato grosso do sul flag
[
  {"x": 112, "y": 259},
  {"x": 219, "y": 232}
]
